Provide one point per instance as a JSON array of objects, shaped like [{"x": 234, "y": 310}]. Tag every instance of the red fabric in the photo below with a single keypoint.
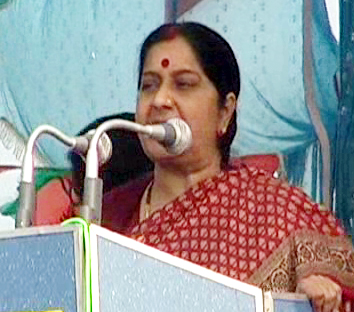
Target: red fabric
[
  {"x": 120, "y": 207},
  {"x": 269, "y": 162},
  {"x": 246, "y": 225},
  {"x": 54, "y": 202}
]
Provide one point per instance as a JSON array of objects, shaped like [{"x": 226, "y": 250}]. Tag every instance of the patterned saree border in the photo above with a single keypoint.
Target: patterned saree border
[
  {"x": 332, "y": 256},
  {"x": 277, "y": 261},
  {"x": 303, "y": 253}
]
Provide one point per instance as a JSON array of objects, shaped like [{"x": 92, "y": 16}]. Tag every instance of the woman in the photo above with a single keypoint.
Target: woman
[{"x": 237, "y": 221}]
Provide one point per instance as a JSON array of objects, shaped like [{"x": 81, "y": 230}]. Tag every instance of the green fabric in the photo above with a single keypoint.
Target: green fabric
[{"x": 43, "y": 176}]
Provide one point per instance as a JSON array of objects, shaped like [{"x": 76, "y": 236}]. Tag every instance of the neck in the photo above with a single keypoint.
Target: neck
[{"x": 170, "y": 182}]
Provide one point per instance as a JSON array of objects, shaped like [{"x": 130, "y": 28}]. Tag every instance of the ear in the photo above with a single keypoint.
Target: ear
[{"x": 226, "y": 112}]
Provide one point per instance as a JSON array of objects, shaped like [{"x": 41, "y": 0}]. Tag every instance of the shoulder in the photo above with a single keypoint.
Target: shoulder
[
  {"x": 253, "y": 175},
  {"x": 270, "y": 190},
  {"x": 276, "y": 197}
]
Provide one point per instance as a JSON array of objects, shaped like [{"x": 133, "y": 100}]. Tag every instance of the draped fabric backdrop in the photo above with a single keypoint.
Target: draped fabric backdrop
[
  {"x": 66, "y": 63},
  {"x": 344, "y": 178}
]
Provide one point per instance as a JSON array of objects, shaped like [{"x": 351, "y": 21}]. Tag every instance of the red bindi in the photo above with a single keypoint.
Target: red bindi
[{"x": 165, "y": 62}]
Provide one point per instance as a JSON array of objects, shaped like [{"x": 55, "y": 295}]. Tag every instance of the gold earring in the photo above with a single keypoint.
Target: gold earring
[{"x": 221, "y": 132}]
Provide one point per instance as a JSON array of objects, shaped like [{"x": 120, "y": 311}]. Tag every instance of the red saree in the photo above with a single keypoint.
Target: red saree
[{"x": 245, "y": 224}]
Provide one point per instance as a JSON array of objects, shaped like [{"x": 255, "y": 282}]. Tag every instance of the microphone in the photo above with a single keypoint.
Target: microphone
[
  {"x": 104, "y": 146},
  {"x": 27, "y": 189},
  {"x": 175, "y": 135}
]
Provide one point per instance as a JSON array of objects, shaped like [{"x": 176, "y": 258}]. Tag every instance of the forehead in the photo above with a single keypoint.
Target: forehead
[{"x": 177, "y": 52}]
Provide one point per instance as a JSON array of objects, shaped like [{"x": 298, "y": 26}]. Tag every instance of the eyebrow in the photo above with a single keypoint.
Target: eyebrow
[
  {"x": 174, "y": 73},
  {"x": 151, "y": 73},
  {"x": 186, "y": 71}
]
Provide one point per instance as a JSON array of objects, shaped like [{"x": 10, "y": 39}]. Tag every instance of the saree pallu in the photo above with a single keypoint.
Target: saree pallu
[{"x": 247, "y": 225}]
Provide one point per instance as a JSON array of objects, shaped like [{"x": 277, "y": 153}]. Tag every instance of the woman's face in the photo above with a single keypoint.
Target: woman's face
[{"x": 175, "y": 85}]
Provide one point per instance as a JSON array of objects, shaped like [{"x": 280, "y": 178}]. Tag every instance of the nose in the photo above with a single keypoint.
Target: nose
[{"x": 163, "y": 99}]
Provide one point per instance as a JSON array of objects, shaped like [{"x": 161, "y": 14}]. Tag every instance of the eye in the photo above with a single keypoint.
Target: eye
[
  {"x": 149, "y": 85},
  {"x": 184, "y": 83}
]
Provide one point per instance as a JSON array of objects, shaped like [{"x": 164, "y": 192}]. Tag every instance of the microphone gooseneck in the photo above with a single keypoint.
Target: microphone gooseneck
[
  {"x": 27, "y": 196},
  {"x": 27, "y": 184}
]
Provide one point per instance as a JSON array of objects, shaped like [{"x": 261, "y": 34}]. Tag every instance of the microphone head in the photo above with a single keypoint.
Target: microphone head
[
  {"x": 104, "y": 146},
  {"x": 182, "y": 138}
]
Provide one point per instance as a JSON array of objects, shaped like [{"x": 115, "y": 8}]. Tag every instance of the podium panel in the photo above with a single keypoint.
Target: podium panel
[
  {"x": 130, "y": 276},
  {"x": 286, "y": 302},
  {"x": 40, "y": 269}
]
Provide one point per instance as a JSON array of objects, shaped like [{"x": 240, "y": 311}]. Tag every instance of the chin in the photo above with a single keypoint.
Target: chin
[{"x": 154, "y": 150}]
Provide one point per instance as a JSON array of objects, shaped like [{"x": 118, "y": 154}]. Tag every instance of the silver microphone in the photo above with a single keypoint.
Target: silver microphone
[
  {"x": 104, "y": 146},
  {"x": 175, "y": 135}
]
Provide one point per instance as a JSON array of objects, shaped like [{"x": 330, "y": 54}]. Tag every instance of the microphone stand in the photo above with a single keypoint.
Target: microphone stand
[
  {"x": 27, "y": 196},
  {"x": 93, "y": 185}
]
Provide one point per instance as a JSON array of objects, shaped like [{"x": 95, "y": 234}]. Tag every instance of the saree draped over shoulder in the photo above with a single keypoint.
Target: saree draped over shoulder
[{"x": 245, "y": 224}]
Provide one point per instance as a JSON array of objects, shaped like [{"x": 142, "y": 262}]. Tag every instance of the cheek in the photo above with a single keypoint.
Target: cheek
[
  {"x": 205, "y": 120},
  {"x": 206, "y": 132},
  {"x": 203, "y": 130},
  {"x": 140, "y": 112}
]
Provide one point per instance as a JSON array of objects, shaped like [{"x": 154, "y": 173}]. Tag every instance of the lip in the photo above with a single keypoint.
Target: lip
[{"x": 156, "y": 121}]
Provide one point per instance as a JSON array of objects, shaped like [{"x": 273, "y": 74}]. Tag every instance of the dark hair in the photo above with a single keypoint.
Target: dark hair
[
  {"x": 215, "y": 57},
  {"x": 128, "y": 159}
]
